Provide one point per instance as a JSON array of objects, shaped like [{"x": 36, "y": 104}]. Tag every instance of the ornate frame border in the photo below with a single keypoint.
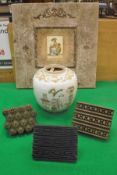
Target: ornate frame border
[{"x": 68, "y": 58}]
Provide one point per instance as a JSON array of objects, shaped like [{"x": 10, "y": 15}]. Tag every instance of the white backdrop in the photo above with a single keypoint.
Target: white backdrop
[{"x": 5, "y": 55}]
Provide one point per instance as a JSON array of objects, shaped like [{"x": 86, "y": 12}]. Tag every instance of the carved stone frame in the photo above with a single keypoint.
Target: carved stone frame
[{"x": 81, "y": 17}]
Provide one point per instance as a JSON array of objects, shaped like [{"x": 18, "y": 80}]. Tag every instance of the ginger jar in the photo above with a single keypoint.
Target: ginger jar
[{"x": 55, "y": 87}]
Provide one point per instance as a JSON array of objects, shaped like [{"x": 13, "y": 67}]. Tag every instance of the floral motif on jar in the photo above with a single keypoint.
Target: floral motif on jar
[{"x": 55, "y": 87}]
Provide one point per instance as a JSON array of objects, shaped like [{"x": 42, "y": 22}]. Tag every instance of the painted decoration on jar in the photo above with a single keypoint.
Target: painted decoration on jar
[{"x": 55, "y": 87}]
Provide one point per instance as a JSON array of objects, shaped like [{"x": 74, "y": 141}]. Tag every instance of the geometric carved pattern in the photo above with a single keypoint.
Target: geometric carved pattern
[
  {"x": 93, "y": 120},
  {"x": 55, "y": 143},
  {"x": 19, "y": 120}
]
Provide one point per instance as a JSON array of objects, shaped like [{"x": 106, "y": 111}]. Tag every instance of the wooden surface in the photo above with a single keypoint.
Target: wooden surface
[
  {"x": 6, "y": 75},
  {"x": 4, "y": 9},
  {"x": 10, "y": 33},
  {"x": 107, "y": 50}
]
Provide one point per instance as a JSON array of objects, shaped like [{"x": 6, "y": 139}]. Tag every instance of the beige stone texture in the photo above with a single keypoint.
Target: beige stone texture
[{"x": 81, "y": 17}]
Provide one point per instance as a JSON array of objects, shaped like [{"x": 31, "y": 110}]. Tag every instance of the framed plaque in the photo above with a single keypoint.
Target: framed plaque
[{"x": 59, "y": 33}]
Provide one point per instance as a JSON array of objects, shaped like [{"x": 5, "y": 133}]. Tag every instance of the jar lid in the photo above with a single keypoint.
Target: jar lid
[{"x": 54, "y": 68}]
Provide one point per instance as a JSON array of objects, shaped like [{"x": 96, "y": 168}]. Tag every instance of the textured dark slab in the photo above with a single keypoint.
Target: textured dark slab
[
  {"x": 55, "y": 143},
  {"x": 19, "y": 120},
  {"x": 93, "y": 120}
]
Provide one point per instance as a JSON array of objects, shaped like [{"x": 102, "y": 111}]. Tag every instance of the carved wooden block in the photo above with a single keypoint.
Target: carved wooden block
[
  {"x": 93, "y": 120},
  {"x": 55, "y": 143},
  {"x": 73, "y": 26},
  {"x": 20, "y": 120}
]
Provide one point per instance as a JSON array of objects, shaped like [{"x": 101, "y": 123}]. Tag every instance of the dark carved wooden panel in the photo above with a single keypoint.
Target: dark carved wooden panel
[{"x": 55, "y": 143}]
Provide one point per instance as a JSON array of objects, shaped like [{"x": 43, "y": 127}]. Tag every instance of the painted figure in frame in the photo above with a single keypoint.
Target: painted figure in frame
[{"x": 55, "y": 48}]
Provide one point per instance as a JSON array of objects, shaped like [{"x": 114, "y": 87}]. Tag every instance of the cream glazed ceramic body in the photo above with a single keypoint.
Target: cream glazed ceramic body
[{"x": 55, "y": 87}]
